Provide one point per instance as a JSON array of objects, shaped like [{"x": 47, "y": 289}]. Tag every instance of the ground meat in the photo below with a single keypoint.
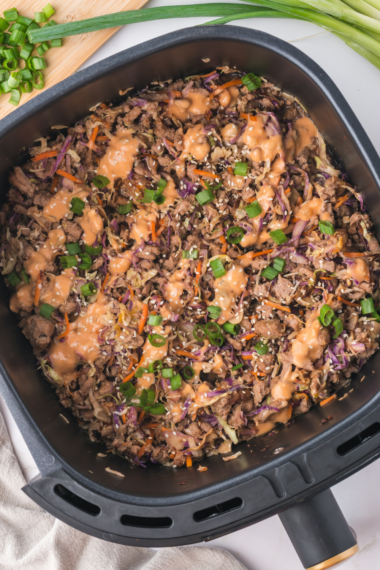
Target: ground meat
[
  {"x": 283, "y": 289},
  {"x": 22, "y": 182},
  {"x": 271, "y": 328},
  {"x": 38, "y": 331},
  {"x": 236, "y": 419},
  {"x": 72, "y": 230}
]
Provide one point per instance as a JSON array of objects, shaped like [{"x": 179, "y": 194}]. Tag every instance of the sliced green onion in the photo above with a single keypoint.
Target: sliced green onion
[
  {"x": 7, "y": 37},
  {"x": 176, "y": 382},
  {"x": 212, "y": 144},
  {"x": 125, "y": 208},
  {"x": 188, "y": 372},
  {"x": 17, "y": 26},
  {"x": 154, "y": 320},
  {"x": 73, "y": 248},
  {"x": 213, "y": 187},
  {"x": 326, "y": 228},
  {"x": 56, "y": 43},
  {"x": 9, "y": 54},
  {"x": 237, "y": 367},
  {"x": 42, "y": 48},
  {"x": 213, "y": 329},
  {"x": 231, "y": 329},
  {"x": 261, "y": 348},
  {"x": 77, "y": 206},
  {"x": 10, "y": 15},
  {"x": 214, "y": 311},
  {"x": 375, "y": 315},
  {"x": 167, "y": 372},
  {"x": 100, "y": 181},
  {"x": 15, "y": 97},
  {"x": 3, "y": 26},
  {"x": 326, "y": 315},
  {"x": 269, "y": 273},
  {"x": 199, "y": 333},
  {"x": 13, "y": 279},
  {"x": 217, "y": 340},
  {"x": 157, "y": 409},
  {"x": 93, "y": 250},
  {"x": 10, "y": 64},
  {"x": 155, "y": 366},
  {"x": 25, "y": 276},
  {"x": 338, "y": 326},
  {"x": 14, "y": 79},
  {"x": 144, "y": 397},
  {"x": 367, "y": 306},
  {"x": 235, "y": 234},
  {"x": 253, "y": 210},
  {"x": 26, "y": 75},
  {"x": 68, "y": 261},
  {"x": 18, "y": 37},
  {"x": 241, "y": 169},
  {"x": 150, "y": 396},
  {"x": 217, "y": 268},
  {"x": 251, "y": 81},
  {"x": 156, "y": 340},
  {"x": 24, "y": 21},
  {"x": 159, "y": 198},
  {"x": 193, "y": 254},
  {"x": 279, "y": 264},
  {"x": 205, "y": 197},
  {"x": 26, "y": 50},
  {"x": 46, "y": 311},
  {"x": 40, "y": 17},
  {"x": 26, "y": 87},
  {"x": 127, "y": 390},
  {"x": 88, "y": 289},
  {"x": 161, "y": 185},
  {"x": 148, "y": 196},
  {"x": 5, "y": 87},
  {"x": 38, "y": 80},
  {"x": 48, "y": 10},
  {"x": 1, "y": 40},
  {"x": 38, "y": 63},
  {"x": 140, "y": 372},
  {"x": 86, "y": 262},
  {"x": 278, "y": 237}
]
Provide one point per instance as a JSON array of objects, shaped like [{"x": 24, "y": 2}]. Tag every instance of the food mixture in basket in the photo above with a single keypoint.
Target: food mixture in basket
[{"x": 190, "y": 268}]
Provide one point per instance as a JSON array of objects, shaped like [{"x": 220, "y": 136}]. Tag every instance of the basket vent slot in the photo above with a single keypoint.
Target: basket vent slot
[
  {"x": 217, "y": 510},
  {"x": 76, "y": 501},
  {"x": 146, "y": 522},
  {"x": 358, "y": 439}
]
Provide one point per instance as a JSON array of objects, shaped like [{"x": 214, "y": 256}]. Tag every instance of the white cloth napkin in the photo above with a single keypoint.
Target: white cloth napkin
[{"x": 31, "y": 539}]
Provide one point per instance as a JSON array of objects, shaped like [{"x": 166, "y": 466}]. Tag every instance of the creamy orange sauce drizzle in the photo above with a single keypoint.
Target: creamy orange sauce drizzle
[
  {"x": 285, "y": 387},
  {"x": 359, "y": 270},
  {"x": 59, "y": 288},
  {"x": 176, "y": 286},
  {"x": 254, "y": 237},
  {"x": 306, "y": 345},
  {"x": 262, "y": 147},
  {"x": 228, "y": 97},
  {"x": 195, "y": 142},
  {"x": 303, "y": 133},
  {"x": 309, "y": 209},
  {"x": 142, "y": 225},
  {"x": 22, "y": 299},
  {"x": 227, "y": 290},
  {"x": 229, "y": 132},
  {"x": 81, "y": 343},
  {"x": 92, "y": 224},
  {"x": 120, "y": 155},
  {"x": 195, "y": 103},
  {"x": 121, "y": 264},
  {"x": 59, "y": 205},
  {"x": 151, "y": 353},
  {"x": 171, "y": 194},
  {"x": 39, "y": 260}
]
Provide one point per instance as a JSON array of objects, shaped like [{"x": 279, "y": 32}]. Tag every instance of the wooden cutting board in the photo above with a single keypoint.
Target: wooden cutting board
[{"x": 63, "y": 61}]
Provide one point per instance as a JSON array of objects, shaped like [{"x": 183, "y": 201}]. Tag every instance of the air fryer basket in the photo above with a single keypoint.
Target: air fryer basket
[{"x": 282, "y": 474}]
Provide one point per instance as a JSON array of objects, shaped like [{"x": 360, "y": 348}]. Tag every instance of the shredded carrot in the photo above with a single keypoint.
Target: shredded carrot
[
  {"x": 256, "y": 253},
  {"x": 104, "y": 282},
  {"x": 311, "y": 230},
  {"x": 208, "y": 74},
  {"x": 347, "y": 302},
  {"x": 341, "y": 201},
  {"x": 162, "y": 227},
  {"x": 290, "y": 411},
  {"x": 354, "y": 254},
  {"x": 277, "y": 306},
  {"x": 141, "y": 417},
  {"x": 120, "y": 298},
  {"x": 54, "y": 184},
  {"x": 131, "y": 291},
  {"x": 185, "y": 353},
  {"x": 300, "y": 396},
  {"x": 47, "y": 154},
  {"x": 153, "y": 229},
  {"x": 189, "y": 461},
  {"x": 229, "y": 169},
  {"x": 169, "y": 142},
  {"x": 129, "y": 376},
  {"x": 130, "y": 365},
  {"x": 256, "y": 373},
  {"x": 151, "y": 426},
  {"x": 172, "y": 455},
  {"x": 123, "y": 419},
  {"x": 142, "y": 449},
  {"x": 223, "y": 239},
  {"x": 66, "y": 332},
  {"x": 327, "y": 400},
  {"x": 94, "y": 134},
  {"x": 294, "y": 220},
  {"x": 203, "y": 183},
  {"x": 326, "y": 278},
  {"x": 249, "y": 336},
  {"x": 205, "y": 173},
  {"x": 224, "y": 242},
  {"x": 224, "y": 86},
  {"x": 244, "y": 116},
  {"x": 102, "y": 138},
  {"x": 247, "y": 357},
  {"x": 103, "y": 106},
  {"x": 301, "y": 312},
  {"x": 197, "y": 275},
  {"x": 100, "y": 201},
  {"x": 143, "y": 319},
  {"x": 69, "y": 176},
  {"x": 38, "y": 289},
  {"x": 287, "y": 191}
]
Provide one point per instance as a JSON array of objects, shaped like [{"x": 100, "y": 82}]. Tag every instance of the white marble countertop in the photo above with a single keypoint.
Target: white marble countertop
[{"x": 265, "y": 546}]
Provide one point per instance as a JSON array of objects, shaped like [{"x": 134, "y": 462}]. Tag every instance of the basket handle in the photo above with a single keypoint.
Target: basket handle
[{"x": 319, "y": 532}]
